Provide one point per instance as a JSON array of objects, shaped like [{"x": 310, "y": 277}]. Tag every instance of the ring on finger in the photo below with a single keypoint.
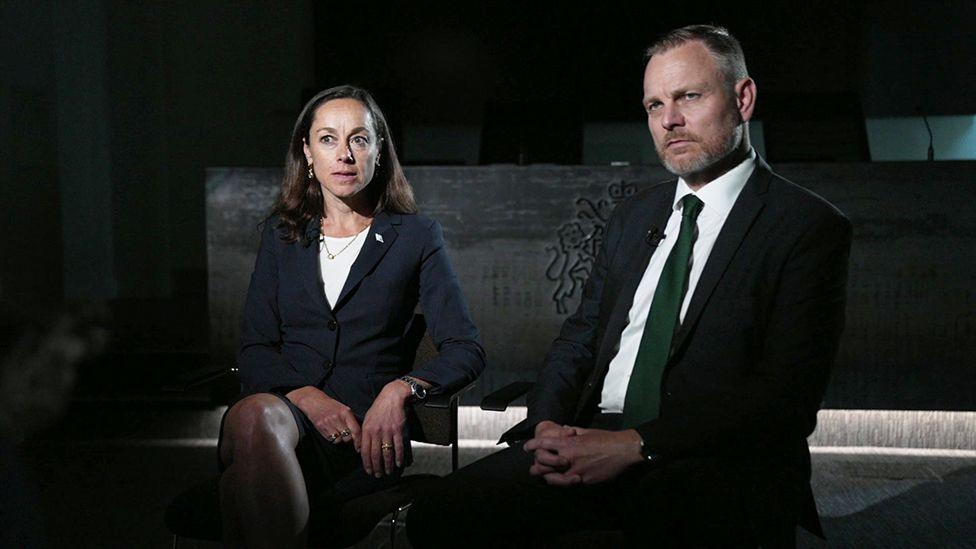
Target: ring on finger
[
  {"x": 386, "y": 446},
  {"x": 333, "y": 437},
  {"x": 345, "y": 432}
]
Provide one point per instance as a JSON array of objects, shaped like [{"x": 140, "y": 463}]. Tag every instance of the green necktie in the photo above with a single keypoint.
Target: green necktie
[{"x": 644, "y": 390}]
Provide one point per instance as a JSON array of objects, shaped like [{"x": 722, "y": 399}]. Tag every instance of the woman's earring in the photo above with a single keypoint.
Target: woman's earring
[
  {"x": 311, "y": 174},
  {"x": 377, "y": 162}
]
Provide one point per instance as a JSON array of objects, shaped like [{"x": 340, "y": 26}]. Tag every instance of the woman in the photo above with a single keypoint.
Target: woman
[{"x": 343, "y": 263}]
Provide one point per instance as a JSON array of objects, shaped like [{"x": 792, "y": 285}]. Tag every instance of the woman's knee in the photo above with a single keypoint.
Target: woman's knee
[{"x": 257, "y": 421}]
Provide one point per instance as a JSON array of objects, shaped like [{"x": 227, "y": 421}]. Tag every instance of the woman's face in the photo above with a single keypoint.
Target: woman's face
[{"x": 342, "y": 147}]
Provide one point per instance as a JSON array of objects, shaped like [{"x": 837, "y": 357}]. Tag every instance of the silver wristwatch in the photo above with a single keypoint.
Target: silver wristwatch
[{"x": 417, "y": 391}]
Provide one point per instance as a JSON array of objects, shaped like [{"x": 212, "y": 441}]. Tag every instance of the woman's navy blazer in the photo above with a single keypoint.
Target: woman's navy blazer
[{"x": 292, "y": 337}]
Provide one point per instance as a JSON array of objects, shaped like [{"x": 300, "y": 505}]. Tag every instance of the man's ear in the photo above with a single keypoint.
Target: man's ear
[{"x": 745, "y": 98}]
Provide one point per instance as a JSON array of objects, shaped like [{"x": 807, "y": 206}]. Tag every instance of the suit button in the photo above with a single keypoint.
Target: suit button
[
  {"x": 332, "y": 325},
  {"x": 329, "y": 365},
  {"x": 667, "y": 393}
]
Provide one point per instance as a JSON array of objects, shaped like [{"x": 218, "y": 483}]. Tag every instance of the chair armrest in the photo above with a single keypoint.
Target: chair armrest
[
  {"x": 444, "y": 400},
  {"x": 436, "y": 418},
  {"x": 499, "y": 400}
]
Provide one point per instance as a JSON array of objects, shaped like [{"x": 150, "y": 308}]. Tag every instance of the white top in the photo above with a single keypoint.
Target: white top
[
  {"x": 336, "y": 271},
  {"x": 718, "y": 196}
]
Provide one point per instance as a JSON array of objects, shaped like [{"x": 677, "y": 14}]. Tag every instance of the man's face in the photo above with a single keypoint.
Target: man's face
[{"x": 691, "y": 110}]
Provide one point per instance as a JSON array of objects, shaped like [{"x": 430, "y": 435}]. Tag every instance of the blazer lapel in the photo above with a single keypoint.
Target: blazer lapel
[
  {"x": 740, "y": 219},
  {"x": 636, "y": 253},
  {"x": 380, "y": 239},
  {"x": 310, "y": 268}
]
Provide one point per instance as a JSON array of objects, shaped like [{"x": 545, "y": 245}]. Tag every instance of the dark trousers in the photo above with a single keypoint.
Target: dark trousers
[{"x": 495, "y": 502}]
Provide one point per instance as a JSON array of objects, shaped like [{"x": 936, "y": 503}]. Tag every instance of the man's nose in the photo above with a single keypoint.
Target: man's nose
[{"x": 671, "y": 117}]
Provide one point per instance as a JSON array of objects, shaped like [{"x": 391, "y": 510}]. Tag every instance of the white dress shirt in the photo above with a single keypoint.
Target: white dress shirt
[
  {"x": 718, "y": 196},
  {"x": 336, "y": 271}
]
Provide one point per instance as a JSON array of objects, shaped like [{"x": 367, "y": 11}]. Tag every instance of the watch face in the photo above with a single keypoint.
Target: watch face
[{"x": 416, "y": 390}]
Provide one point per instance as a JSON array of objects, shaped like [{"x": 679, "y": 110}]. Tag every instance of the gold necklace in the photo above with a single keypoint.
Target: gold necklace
[{"x": 331, "y": 255}]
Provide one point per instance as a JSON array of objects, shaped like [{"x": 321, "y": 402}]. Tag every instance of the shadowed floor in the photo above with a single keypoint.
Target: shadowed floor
[
  {"x": 113, "y": 494},
  {"x": 104, "y": 476}
]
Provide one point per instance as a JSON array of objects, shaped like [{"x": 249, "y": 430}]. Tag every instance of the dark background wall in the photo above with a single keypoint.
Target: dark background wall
[{"x": 111, "y": 111}]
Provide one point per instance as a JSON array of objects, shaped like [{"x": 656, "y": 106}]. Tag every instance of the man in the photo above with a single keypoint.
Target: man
[{"x": 676, "y": 401}]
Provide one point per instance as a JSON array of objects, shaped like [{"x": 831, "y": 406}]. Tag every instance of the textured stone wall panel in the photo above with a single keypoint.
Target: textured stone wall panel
[{"x": 524, "y": 238}]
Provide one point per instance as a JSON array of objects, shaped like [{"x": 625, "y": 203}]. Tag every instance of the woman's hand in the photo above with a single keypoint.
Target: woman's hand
[
  {"x": 333, "y": 419},
  {"x": 382, "y": 436}
]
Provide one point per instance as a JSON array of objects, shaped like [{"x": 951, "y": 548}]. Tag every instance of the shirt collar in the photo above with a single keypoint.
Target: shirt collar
[{"x": 719, "y": 195}]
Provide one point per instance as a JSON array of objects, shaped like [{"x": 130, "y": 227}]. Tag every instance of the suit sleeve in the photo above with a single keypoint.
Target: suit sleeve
[
  {"x": 461, "y": 358},
  {"x": 778, "y": 401},
  {"x": 572, "y": 356},
  {"x": 261, "y": 365}
]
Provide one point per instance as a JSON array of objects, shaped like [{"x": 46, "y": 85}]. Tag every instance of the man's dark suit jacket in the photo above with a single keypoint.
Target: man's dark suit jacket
[
  {"x": 292, "y": 337},
  {"x": 751, "y": 360}
]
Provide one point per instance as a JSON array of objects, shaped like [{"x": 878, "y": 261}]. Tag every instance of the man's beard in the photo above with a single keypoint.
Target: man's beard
[{"x": 711, "y": 154}]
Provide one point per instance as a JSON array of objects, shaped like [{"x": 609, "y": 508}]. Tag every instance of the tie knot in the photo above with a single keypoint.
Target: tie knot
[{"x": 691, "y": 206}]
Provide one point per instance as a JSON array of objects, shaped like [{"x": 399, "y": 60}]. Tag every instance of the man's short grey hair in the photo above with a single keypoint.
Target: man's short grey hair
[{"x": 718, "y": 40}]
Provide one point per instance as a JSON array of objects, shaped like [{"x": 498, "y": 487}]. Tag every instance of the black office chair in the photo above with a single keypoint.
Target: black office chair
[{"x": 195, "y": 512}]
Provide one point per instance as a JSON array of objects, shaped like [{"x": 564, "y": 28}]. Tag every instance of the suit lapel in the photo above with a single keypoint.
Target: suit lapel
[
  {"x": 310, "y": 268},
  {"x": 635, "y": 253},
  {"x": 380, "y": 239},
  {"x": 737, "y": 225}
]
